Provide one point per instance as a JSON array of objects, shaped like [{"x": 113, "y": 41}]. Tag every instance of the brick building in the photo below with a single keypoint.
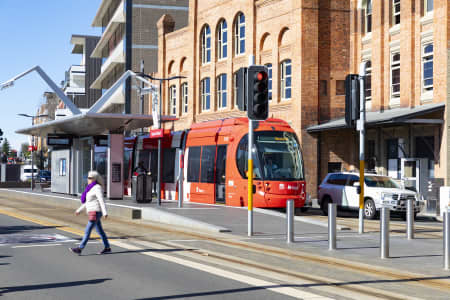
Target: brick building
[
  {"x": 129, "y": 35},
  {"x": 406, "y": 96},
  {"x": 305, "y": 45}
]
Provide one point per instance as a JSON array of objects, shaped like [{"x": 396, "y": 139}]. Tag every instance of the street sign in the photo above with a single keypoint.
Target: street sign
[{"x": 156, "y": 133}]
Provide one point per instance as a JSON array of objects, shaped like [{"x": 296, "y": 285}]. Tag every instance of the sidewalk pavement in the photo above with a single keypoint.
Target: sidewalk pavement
[{"x": 423, "y": 255}]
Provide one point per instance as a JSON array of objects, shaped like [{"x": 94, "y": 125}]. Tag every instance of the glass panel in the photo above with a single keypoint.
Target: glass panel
[
  {"x": 221, "y": 164},
  {"x": 279, "y": 153},
  {"x": 410, "y": 169},
  {"x": 194, "y": 164},
  {"x": 207, "y": 167},
  {"x": 168, "y": 172}
]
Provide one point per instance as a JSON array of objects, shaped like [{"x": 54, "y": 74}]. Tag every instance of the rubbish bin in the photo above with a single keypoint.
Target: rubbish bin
[{"x": 141, "y": 188}]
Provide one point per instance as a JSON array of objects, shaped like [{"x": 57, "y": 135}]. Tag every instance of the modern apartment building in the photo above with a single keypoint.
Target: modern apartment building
[
  {"x": 129, "y": 36},
  {"x": 304, "y": 43},
  {"x": 405, "y": 47},
  {"x": 79, "y": 77}
]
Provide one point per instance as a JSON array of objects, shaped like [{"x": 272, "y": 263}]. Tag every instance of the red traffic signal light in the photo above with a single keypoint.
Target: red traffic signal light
[{"x": 258, "y": 93}]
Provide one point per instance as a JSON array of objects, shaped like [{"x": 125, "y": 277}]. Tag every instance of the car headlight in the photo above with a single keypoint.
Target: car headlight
[{"x": 387, "y": 199}]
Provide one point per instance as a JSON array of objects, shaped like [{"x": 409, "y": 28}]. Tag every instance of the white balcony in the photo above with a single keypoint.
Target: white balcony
[
  {"x": 118, "y": 97},
  {"x": 116, "y": 57},
  {"x": 104, "y": 6}
]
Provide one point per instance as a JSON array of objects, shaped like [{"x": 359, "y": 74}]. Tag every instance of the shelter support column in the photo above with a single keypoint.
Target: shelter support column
[{"x": 114, "y": 180}]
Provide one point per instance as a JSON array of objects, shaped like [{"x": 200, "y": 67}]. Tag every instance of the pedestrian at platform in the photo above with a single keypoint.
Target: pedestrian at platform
[{"x": 92, "y": 200}]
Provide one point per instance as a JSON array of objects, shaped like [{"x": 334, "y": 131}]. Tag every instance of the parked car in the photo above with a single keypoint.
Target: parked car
[
  {"x": 342, "y": 189},
  {"x": 44, "y": 176},
  {"x": 26, "y": 172}
]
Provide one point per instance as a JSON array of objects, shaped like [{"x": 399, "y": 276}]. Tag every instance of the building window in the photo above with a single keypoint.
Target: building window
[
  {"x": 427, "y": 66},
  {"x": 222, "y": 40},
  {"x": 269, "y": 69},
  {"x": 395, "y": 75},
  {"x": 206, "y": 45},
  {"x": 369, "y": 16},
  {"x": 429, "y": 6},
  {"x": 286, "y": 79},
  {"x": 62, "y": 167},
  {"x": 184, "y": 97},
  {"x": 239, "y": 34},
  {"x": 235, "y": 90},
  {"x": 340, "y": 87},
  {"x": 205, "y": 94},
  {"x": 395, "y": 12},
  {"x": 221, "y": 86},
  {"x": 173, "y": 100},
  {"x": 368, "y": 81}
]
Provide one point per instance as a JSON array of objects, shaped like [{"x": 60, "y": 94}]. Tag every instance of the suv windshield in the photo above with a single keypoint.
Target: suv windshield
[{"x": 380, "y": 182}]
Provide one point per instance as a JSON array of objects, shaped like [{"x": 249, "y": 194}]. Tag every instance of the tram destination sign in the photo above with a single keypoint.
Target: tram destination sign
[{"x": 59, "y": 141}]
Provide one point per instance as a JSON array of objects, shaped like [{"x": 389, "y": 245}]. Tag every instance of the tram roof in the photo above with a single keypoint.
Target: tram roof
[{"x": 91, "y": 124}]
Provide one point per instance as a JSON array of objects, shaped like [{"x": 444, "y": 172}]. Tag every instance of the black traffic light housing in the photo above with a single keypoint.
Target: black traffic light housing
[
  {"x": 257, "y": 92},
  {"x": 352, "y": 95},
  {"x": 241, "y": 88}
]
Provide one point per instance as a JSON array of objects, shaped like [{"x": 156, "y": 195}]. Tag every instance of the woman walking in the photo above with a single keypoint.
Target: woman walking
[{"x": 92, "y": 200}]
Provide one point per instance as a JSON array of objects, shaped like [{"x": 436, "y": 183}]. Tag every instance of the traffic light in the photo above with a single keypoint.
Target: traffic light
[
  {"x": 241, "y": 88},
  {"x": 257, "y": 93},
  {"x": 352, "y": 95}
]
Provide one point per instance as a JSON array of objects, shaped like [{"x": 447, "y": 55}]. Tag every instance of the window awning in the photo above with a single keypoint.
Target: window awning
[
  {"x": 403, "y": 115},
  {"x": 92, "y": 124}
]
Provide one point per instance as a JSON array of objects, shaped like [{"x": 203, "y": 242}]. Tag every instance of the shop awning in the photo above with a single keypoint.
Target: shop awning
[
  {"x": 404, "y": 115},
  {"x": 92, "y": 124}
]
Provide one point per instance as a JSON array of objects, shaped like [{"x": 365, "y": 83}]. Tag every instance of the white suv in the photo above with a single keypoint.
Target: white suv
[{"x": 342, "y": 189}]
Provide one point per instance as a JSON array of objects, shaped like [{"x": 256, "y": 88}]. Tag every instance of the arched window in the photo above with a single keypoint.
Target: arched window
[
  {"x": 173, "y": 100},
  {"x": 221, "y": 85},
  {"x": 222, "y": 40},
  {"x": 239, "y": 34},
  {"x": 206, "y": 45},
  {"x": 286, "y": 79},
  {"x": 184, "y": 98},
  {"x": 205, "y": 93},
  {"x": 269, "y": 69}
]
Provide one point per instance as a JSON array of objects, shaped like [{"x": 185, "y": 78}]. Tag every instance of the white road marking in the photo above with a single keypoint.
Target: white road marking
[
  {"x": 193, "y": 208},
  {"x": 40, "y": 245},
  {"x": 288, "y": 291}
]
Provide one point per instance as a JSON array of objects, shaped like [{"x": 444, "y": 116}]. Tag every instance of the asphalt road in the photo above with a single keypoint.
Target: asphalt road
[{"x": 35, "y": 263}]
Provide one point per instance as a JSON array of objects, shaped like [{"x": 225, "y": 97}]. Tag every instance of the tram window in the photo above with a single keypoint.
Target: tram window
[
  {"x": 126, "y": 162},
  {"x": 144, "y": 156},
  {"x": 168, "y": 167},
  {"x": 207, "y": 168},
  {"x": 242, "y": 160},
  {"x": 221, "y": 164},
  {"x": 194, "y": 164}
]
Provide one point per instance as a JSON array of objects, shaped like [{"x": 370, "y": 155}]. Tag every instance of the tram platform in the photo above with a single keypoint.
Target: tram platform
[{"x": 422, "y": 255}]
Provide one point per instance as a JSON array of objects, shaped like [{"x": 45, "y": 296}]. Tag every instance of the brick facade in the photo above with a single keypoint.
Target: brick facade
[{"x": 314, "y": 35}]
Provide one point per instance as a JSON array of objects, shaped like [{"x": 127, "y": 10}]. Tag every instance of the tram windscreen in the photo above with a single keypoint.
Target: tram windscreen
[{"x": 280, "y": 155}]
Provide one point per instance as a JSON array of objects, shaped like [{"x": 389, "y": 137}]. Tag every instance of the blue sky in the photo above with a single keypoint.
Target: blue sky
[{"x": 37, "y": 33}]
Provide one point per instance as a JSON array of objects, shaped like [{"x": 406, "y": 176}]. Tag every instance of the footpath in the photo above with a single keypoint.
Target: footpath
[{"x": 422, "y": 256}]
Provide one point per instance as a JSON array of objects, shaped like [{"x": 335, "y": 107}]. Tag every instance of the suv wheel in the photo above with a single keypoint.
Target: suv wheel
[
  {"x": 370, "y": 210},
  {"x": 324, "y": 205}
]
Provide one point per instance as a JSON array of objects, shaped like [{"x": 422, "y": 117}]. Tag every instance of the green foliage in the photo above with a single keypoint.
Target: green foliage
[
  {"x": 6, "y": 147},
  {"x": 24, "y": 150}
]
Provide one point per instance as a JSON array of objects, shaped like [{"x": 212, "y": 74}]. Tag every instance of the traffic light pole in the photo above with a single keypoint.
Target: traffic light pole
[
  {"x": 362, "y": 132},
  {"x": 251, "y": 61}
]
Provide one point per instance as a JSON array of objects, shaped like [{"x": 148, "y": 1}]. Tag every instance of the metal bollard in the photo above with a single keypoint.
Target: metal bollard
[
  {"x": 332, "y": 212},
  {"x": 290, "y": 221},
  {"x": 384, "y": 232},
  {"x": 410, "y": 219},
  {"x": 446, "y": 234}
]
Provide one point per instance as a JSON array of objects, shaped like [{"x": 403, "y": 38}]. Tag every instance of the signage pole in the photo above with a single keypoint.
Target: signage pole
[
  {"x": 32, "y": 159},
  {"x": 362, "y": 132},
  {"x": 159, "y": 145}
]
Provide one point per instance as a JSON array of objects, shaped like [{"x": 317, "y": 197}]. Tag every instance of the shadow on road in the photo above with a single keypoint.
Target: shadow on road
[
  {"x": 15, "y": 229},
  {"x": 44, "y": 286},
  {"x": 308, "y": 285},
  {"x": 144, "y": 250}
]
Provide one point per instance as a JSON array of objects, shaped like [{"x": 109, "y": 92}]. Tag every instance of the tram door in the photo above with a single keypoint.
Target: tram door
[{"x": 220, "y": 173}]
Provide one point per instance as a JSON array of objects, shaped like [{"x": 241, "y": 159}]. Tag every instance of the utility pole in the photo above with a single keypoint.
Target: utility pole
[{"x": 362, "y": 132}]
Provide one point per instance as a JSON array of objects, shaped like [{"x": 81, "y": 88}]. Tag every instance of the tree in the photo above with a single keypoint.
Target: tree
[
  {"x": 24, "y": 150},
  {"x": 6, "y": 147}
]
